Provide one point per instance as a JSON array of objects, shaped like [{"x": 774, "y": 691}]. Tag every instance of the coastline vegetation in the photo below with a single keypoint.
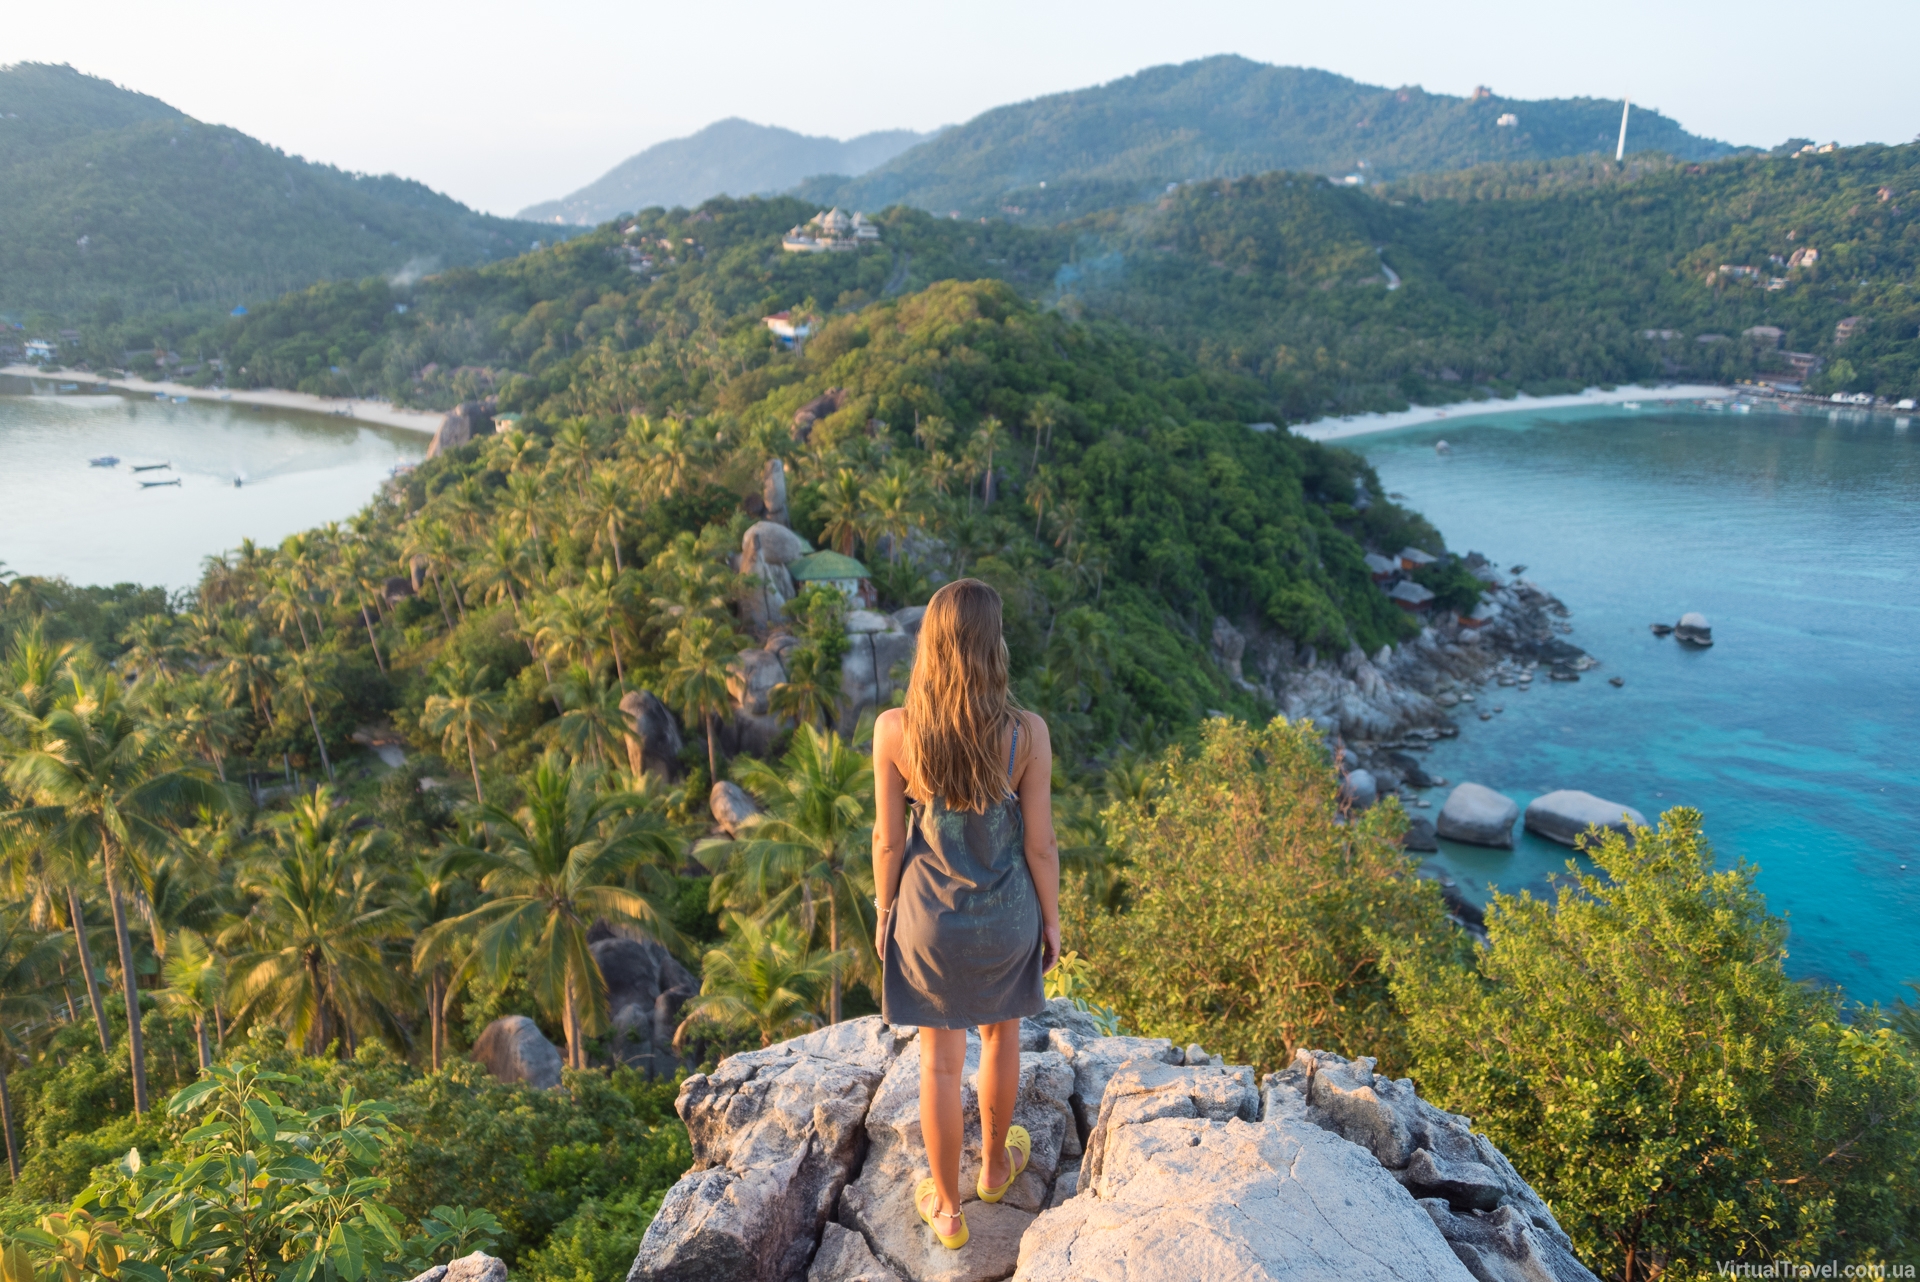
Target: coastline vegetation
[{"x": 192, "y": 832}]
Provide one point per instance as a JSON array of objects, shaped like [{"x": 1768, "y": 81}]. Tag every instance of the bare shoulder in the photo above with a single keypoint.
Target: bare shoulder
[
  {"x": 1034, "y": 727},
  {"x": 888, "y": 729}
]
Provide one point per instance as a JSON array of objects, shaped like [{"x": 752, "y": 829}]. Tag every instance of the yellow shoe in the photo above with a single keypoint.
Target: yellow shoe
[
  {"x": 926, "y": 1195},
  {"x": 1019, "y": 1141}
]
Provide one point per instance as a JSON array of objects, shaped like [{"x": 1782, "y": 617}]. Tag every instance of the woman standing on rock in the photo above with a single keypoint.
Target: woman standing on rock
[{"x": 968, "y": 871}]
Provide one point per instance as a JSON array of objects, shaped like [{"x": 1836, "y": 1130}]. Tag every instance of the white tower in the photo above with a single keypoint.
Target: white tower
[{"x": 1620, "y": 152}]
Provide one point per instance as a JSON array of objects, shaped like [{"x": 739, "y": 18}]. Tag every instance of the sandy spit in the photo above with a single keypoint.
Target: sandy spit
[
  {"x": 381, "y": 412},
  {"x": 1337, "y": 429}
]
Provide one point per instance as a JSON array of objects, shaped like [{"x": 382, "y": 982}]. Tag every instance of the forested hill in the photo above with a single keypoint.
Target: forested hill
[
  {"x": 1546, "y": 276},
  {"x": 112, "y": 203},
  {"x": 1540, "y": 276},
  {"x": 728, "y": 158},
  {"x": 1223, "y": 117}
]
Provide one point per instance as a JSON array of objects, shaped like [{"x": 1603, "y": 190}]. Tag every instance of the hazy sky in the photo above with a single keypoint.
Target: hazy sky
[{"x": 502, "y": 105}]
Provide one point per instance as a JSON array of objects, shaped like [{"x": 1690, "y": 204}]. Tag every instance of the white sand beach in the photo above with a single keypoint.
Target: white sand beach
[
  {"x": 1336, "y": 429},
  {"x": 381, "y": 412}
]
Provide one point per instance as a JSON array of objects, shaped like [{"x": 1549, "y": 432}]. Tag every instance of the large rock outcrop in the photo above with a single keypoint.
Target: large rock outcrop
[
  {"x": 646, "y": 987},
  {"x": 515, "y": 1050},
  {"x": 653, "y": 736},
  {"x": 1564, "y": 815},
  {"x": 462, "y": 424},
  {"x": 1150, "y": 1164},
  {"x": 766, "y": 550},
  {"x": 1476, "y": 814}
]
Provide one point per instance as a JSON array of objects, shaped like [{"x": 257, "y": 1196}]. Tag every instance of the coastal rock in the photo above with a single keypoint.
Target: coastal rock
[
  {"x": 1187, "y": 1198},
  {"x": 1478, "y": 816},
  {"x": 775, "y": 1134},
  {"x": 462, "y": 424},
  {"x": 766, "y": 549},
  {"x": 1192, "y": 1171},
  {"x": 1564, "y": 815},
  {"x": 751, "y": 677},
  {"x": 1095, "y": 1060},
  {"x": 1359, "y": 790},
  {"x": 514, "y": 1049},
  {"x": 1434, "y": 1154},
  {"x": 1693, "y": 630},
  {"x": 646, "y": 987},
  {"x": 732, "y": 808},
  {"x": 653, "y": 736},
  {"x": 1229, "y": 648},
  {"x": 1420, "y": 837},
  {"x": 861, "y": 621},
  {"x": 845, "y": 1257},
  {"x": 909, "y": 618}
]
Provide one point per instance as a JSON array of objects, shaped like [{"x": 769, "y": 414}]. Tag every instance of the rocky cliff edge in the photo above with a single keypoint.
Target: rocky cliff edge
[{"x": 1149, "y": 1162}]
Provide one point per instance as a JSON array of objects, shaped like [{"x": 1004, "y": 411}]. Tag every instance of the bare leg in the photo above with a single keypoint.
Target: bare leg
[
  {"x": 943, "y": 1057},
  {"x": 999, "y": 1090}
]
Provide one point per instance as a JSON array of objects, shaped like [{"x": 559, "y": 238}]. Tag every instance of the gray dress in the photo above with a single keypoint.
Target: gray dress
[{"x": 962, "y": 946}]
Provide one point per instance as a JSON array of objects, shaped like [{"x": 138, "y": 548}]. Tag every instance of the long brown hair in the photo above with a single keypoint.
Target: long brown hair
[{"x": 957, "y": 700}]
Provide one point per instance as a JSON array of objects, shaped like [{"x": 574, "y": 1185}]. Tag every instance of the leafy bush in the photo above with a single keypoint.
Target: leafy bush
[
  {"x": 1638, "y": 1050},
  {"x": 1260, "y": 912}
]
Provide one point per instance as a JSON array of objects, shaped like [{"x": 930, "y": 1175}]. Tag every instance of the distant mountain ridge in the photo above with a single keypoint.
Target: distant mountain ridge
[
  {"x": 731, "y": 157},
  {"x": 1225, "y": 117},
  {"x": 115, "y": 203}
]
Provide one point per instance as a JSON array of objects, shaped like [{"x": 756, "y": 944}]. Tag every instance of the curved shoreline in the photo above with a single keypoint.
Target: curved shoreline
[
  {"x": 383, "y": 413},
  {"x": 1337, "y": 429}
]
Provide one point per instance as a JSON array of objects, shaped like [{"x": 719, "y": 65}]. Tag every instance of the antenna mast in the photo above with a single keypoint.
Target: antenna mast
[{"x": 1620, "y": 152}]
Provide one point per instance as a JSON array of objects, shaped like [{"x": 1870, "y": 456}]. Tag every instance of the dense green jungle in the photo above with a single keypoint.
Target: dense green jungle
[{"x": 236, "y": 941}]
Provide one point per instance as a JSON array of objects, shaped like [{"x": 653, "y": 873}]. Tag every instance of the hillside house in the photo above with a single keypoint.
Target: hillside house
[
  {"x": 1770, "y": 335},
  {"x": 1805, "y": 256},
  {"x": 1412, "y": 558},
  {"x": 783, "y": 328},
  {"x": 1507, "y": 120},
  {"x": 1382, "y": 568},
  {"x": 1410, "y": 596},
  {"x": 835, "y": 570},
  {"x": 1848, "y": 328},
  {"x": 39, "y": 349},
  {"x": 831, "y": 231}
]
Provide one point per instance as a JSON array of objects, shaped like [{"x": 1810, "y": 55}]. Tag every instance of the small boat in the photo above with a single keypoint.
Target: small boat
[
  {"x": 105, "y": 460},
  {"x": 150, "y": 467},
  {"x": 69, "y": 387},
  {"x": 179, "y": 400},
  {"x": 150, "y": 485},
  {"x": 159, "y": 396},
  {"x": 1630, "y": 405}
]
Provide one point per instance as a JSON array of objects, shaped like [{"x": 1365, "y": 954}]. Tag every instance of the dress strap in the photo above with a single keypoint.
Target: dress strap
[{"x": 1013, "y": 751}]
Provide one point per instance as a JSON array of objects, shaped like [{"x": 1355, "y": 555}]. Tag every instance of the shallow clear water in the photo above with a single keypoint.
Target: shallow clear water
[
  {"x": 60, "y": 516},
  {"x": 1798, "y": 536}
]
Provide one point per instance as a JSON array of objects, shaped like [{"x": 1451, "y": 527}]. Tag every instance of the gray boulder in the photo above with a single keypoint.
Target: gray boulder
[
  {"x": 844, "y": 1256},
  {"x": 868, "y": 676},
  {"x": 732, "y": 808},
  {"x": 1095, "y": 1060},
  {"x": 773, "y": 491},
  {"x": 646, "y": 987},
  {"x": 478, "y": 1267},
  {"x": 653, "y": 735},
  {"x": 515, "y": 1050},
  {"x": 462, "y": 424},
  {"x": 1145, "y": 1092},
  {"x": 1502, "y": 1245},
  {"x": 879, "y": 1205},
  {"x": 1231, "y": 1201},
  {"x": 766, "y": 550},
  {"x": 1564, "y": 815},
  {"x": 1478, "y": 816},
  {"x": 1693, "y": 630},
  {"x": 775, "y": 1135},
  {"x": 1359, "y": 789},
  {"x": 1420, "y": 837}
]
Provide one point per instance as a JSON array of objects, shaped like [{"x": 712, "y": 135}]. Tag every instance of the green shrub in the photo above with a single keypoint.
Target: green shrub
[{"x": 1638, "y": 1051}]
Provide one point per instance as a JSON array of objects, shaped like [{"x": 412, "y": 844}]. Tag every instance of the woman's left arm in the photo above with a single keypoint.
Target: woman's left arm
[{"x": 1042, "y": 847}]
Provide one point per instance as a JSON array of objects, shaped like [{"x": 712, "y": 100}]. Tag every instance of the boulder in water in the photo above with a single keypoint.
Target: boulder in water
[
  {"x": 1562, "y": 816},
  {"x": 1479, "y": 816},
  {"x": 1693, "y": 630}
]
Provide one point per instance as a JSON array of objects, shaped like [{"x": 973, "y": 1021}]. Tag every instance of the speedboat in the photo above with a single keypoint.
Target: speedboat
[
  {"x": 105, "y": 460},
  {"x": 150, "y": 467},
  {"x": 148, "y": 485},
  {"x": 1629, "y": 405},
  {"x": 179, "y": 400}
]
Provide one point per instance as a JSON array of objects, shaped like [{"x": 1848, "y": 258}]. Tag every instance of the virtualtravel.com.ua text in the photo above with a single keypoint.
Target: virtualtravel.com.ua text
[{"x": 1826, "y": 1269}]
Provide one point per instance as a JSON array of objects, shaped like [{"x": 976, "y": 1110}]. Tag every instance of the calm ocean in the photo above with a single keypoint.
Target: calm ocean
[
  {"x": 97, "y": 525},
  {"x": 1797, "y": 734}
]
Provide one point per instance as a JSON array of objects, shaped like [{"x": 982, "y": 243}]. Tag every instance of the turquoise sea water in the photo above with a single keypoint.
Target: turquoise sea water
[
  {"x": 1797, "y": 734},
  {"x": 59, "y": 516}
]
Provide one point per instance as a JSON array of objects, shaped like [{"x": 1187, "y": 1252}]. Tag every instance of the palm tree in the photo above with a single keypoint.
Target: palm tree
[
  {"x": 607, "y": 501},
  {"x": 765, "y": 978},
  {"x": 193, "y": 712},
  {"x": 309, "y": 675},
  {"x": 427, "y": 543},
  {"x": 104, "y": 787},
  {"x": 195, "y": 976},
  {"x": 357, "y": 582},
  {"x": 462, "y": 706},
  {"x": 28, "y": 962},
  {"x": 592, "y": 728},
  {"x": 548, "y": 871},
  {"x": 309, "y": 951},
  {"x": 813, "y": 844},
  {"x": 244, "y": 663},
  {"x": 153, "y": 647},
  {"x": 891, "y": 509},
  {"x": 985, "y": 441},
  {"x": 805, "y": 695},
  {"x": 697, "y": 682},
  {"x": 572, "y": 454},
  {"x": 842, "y": 511},
  {"x": 437, "y": 889}
]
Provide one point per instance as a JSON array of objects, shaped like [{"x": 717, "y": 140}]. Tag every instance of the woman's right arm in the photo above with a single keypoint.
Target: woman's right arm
[{"x": 890, "y": 808}]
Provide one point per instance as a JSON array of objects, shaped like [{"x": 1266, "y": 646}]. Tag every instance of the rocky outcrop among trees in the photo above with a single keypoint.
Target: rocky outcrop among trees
[{"x": 1149, "y": 1162}]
